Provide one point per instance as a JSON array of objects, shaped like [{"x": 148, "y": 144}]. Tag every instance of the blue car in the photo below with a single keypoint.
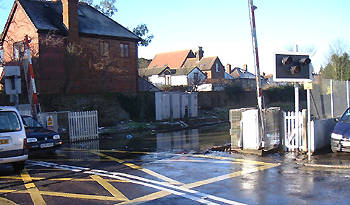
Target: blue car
[
  {"x": 38, "y": 137},
  {"x": 340, "y": 138}
]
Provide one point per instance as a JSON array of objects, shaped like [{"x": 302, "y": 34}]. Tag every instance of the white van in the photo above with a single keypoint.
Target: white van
[{"x": 13, "y": 144}]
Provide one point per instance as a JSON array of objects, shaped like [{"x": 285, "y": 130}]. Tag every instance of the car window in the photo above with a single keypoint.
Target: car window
[
  {"x": 31, "y": 122},
  {"x": 9, "y": 122},
  {"x": 346, "y": 116}
]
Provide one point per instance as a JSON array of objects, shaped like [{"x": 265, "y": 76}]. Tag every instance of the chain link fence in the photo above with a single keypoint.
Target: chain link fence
[{"x": 329, "y": 98}]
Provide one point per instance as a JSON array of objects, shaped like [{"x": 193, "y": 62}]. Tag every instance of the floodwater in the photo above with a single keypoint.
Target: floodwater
[{"x": 183, "y": 141}]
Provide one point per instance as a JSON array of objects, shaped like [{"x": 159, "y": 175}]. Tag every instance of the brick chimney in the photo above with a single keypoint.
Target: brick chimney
[
  {"x": 70, "y": 18},
  {"x": 199, "y": 53},
  {"x": 228, "y": 68}
]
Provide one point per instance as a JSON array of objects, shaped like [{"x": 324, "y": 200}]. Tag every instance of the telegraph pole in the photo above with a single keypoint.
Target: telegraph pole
[{"x": 257, "y": 69}]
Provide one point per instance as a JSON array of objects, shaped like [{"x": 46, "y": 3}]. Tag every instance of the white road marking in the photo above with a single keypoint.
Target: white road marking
[{"x": 164, "y": 186}]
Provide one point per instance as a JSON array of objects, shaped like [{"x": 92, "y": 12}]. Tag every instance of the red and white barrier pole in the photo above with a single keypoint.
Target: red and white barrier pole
[{"x": 31, "y": 81}]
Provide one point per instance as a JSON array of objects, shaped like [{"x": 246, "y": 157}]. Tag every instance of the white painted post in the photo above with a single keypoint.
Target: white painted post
[
  {"x": 285, "y": 137},
  {"x": 332, "y": 105},
  {"x": 296, "y": 88},
  {"x": 347, "y": 93},
  {"x": 308, "y": 125}
]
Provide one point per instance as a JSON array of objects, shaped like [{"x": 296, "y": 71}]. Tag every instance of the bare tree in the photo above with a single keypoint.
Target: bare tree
[{"x": 309, "y": 49}]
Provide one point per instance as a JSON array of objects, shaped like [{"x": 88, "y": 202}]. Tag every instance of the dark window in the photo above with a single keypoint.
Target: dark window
[
  {"x": 124, "y": 50},
  {"x": 195, "y": 78},
  {"x": 104, "y": 48},
  {"x": 18, "y": 50}
]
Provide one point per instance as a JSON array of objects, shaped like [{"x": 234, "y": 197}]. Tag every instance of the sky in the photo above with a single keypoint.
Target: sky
[{"x": 222, "y": 27}]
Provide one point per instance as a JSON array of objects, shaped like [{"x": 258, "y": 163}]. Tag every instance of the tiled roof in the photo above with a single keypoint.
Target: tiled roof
[
  {"x": 146, "y": 72},
  {"x": 47, "y": 15},
  {"x": 151, "y": 71},
  {"x": 205, "y": 64},
  {"x": 172, "y": 59}
]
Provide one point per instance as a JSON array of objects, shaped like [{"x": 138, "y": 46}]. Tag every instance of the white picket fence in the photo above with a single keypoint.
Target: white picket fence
[
  {"x": 83, "y": 125},
  {"x": 291, "y": 142}
]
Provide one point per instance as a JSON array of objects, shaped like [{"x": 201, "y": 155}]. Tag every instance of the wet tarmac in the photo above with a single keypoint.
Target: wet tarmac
[{"x": 173, "y": 168}]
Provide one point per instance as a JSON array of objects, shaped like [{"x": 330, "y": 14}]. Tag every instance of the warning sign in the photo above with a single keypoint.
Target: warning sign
[{"x": 49, "y": 121}]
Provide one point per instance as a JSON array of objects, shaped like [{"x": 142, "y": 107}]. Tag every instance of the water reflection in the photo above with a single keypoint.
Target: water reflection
[
  {"x": 180, "y": 141},
  {"x": 200, "y": 139}
]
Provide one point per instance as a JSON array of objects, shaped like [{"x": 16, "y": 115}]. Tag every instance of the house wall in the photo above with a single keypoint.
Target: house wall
[
  {"x": 217, "y": 75},
  {"x": 55, "y": 74},
  {"x": 177, "y": 80},
  {"x": 157, "y": 80},
  {"x": 19, "y": 26},
  {"x": 201, "y": 76}
]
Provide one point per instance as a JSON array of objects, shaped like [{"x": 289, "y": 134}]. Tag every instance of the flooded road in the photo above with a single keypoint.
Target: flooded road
[
  {"x": 170, "y": 168},
  {"x": 183, "y": 141}
]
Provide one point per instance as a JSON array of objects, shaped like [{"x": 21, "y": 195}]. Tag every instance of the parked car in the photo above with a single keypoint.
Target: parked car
[
  {"x": 340, "y": 138},
  {"x": 13, "y": 145},
  {"x": 38, "y": 137}
]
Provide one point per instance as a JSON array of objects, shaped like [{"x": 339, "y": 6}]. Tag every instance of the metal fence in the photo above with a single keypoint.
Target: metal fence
[
  {"x": 329, "y": 98},
  {"x": 83, "y": 125}
]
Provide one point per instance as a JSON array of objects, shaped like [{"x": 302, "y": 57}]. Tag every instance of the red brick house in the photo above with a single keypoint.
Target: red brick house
[
  {"x": 75, "y": 48},
  {"x": 211, "y": 66}
]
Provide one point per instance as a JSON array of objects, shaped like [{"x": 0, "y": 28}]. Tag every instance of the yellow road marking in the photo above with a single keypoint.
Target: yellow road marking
[
  {"x": 4, "y": 201},
  {"x": 73, "y": 160},
  {"x": 150, "y": 172},
  {"x": 33, "y": 191},
  {"x": 64, "y": 179},
  {"x": 111, "y": 189},
  {"x": 162, "y": 194},
  {"x": 232, "y": 159},
  {"x": 66, "y": 195},
  {"x": 201, "y": 161},
  {"x": 79, "y": 196}
]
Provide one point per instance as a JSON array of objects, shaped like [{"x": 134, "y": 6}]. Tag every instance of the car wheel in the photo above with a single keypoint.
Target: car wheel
[
  {"x": 18, "y": 166},
  {"x": 334, "y": 149}
]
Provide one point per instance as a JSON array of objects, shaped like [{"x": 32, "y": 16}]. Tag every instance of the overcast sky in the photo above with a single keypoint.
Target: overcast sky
[{"x": 222, "y": 27}]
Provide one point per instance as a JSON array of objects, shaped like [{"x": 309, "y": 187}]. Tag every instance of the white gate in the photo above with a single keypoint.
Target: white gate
[
  {"x": 291, "y": 142},
  {"x": 83, "y": 125}
]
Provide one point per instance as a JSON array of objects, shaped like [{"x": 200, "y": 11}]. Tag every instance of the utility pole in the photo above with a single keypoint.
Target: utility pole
[{"x": 257, "y": 69}]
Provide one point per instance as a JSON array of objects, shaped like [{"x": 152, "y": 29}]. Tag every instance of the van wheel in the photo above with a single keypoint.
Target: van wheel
[{"x": 18, "y": 166}]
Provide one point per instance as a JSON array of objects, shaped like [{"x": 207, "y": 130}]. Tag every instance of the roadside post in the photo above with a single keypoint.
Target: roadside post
[{"x": 308, "y": 88}]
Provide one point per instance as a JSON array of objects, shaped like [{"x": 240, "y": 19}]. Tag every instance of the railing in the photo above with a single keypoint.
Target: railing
[
  {"x": 291, "y": 142},
  {"x": 83, "y": 125}
]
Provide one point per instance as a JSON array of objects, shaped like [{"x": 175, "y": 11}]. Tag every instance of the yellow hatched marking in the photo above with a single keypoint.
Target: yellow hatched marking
[
  {"x": 79, "y": 196},
  {"x": 133, "y": 166},
  {"x": 111, "y": 189},
  {"x": 74, "y": 160},
  {"x": 162, "y": 194},
  {"x": 66, "y": 195},
  {"x": 65, "y": 179},
  {"x": 33, "y": 191},
  {"x": 231, "y": 159}
]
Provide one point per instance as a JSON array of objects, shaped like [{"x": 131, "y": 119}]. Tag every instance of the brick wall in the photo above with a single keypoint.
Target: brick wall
[{"x": 96, "y": 72}]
